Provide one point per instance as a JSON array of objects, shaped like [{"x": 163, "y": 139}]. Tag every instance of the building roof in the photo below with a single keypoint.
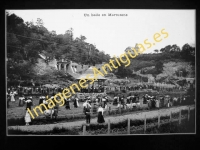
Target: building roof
[
  {"x": 73, "y": 63},
  {"x": 89, "y": 72}
]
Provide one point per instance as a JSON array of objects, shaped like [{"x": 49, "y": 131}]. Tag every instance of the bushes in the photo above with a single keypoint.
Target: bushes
[{"x": 56, "y": 131}]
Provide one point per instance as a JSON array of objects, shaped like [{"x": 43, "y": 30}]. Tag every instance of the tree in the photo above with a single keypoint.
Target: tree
[
  {"x": 82, "y": 38},
  {"x": 156, "y": 50},
  {"x": 181, "y": 72},
  {"x": 123, "y": 71},
  {"x": 159, "y": 66},
  {"x": 175, "y": 48},
  {"x": 167, "y": 48},
  {"x": 188, "y": 53},
  {"x": 162, "y": 50},
  {"x": 39, "y": 23},
  {"x": 27, "y": 40}
]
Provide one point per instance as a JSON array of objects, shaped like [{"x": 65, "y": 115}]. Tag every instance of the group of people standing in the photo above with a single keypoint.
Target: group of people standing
[
  {"x": 75, "y": 102},
  {"x": 28, "y": 102},
  {"x": 87, "y": 111}
]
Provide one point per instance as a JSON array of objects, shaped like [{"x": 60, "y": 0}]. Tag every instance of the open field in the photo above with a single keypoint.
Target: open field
[{"x": 14, "y": 111}]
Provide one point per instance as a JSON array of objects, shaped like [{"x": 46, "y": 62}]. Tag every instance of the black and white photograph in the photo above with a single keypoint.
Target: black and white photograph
[{"x": 97, "y": 72}]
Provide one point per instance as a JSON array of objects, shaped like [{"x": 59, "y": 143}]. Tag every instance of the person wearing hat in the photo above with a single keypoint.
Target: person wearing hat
[
  {"x": 41, "y": 99},
  {"x": 8, "y": 99},
  {"x": 76, "y": 104},
  {"x": 27, "y": 117},
  {"x": 115, "y": 102},
  {"x": 21, "y": 100},
  {"x": 28, "y": 102},
  {"x": 145, "y": 97},
  {"x": 67, "y": 100},
  {"x": 94, "y": 108},
  {"x": 89, "y": 100},
  {"x": 45, "y": 102},
  {"x": 103, "y": 102},
  {"x": 153, "y": 102},
  {"x": 12, "y": 94},
  {"x": 128, "y": 99},
  {"x": 100, "y": 118},
  {"x": 31, "y": 100},
  {"x": 86, "y": 110},
  {"x": 106, "y": 102},
  {"x": 96, "y": 101}
]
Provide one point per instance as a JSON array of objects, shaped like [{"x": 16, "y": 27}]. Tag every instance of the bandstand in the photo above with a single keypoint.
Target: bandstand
[{"x": 97, "y": 88}]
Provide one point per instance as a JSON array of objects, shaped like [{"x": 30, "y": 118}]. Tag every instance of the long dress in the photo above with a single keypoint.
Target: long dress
[
  {"x": 41, "y": 100},
  {"x": 21, "y": 101},
  {"x": 27, "y": 117},
  {"x": 157, "y": 103},
  {"x": 12, "y": 97},
  {"x": 100, "y": 118},
  {"x": 67, "y": 104},
  {"x": 75, "y": 103},
  {"x": 115, "y": 102}
]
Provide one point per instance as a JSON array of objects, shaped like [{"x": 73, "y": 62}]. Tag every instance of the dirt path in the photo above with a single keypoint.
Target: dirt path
[{"x": 113, "y": 119}]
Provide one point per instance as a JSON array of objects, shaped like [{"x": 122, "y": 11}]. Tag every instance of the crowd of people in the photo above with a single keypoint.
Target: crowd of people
[
  {"x": 99, "y": 89},
  {"x": 34, "y": 90},
  {"x": 99, "y": 103},
  {"x": 153, "y": 86}
]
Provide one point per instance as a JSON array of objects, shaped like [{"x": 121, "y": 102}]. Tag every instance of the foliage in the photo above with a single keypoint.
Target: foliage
[
  {"x": 26, "y": 40},
  {"x": 181, "y": 72},
  {"x": 54, "y": 131},
  {"x": 123, "y": 72},
  {"x": 159, "y": 66}
]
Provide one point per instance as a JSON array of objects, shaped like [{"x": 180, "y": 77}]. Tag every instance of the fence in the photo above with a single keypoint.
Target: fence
[{"x": 127, "y": 130}]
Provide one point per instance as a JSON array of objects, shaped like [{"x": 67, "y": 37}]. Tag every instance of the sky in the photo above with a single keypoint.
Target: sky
[{"x": 113, "y": 34}]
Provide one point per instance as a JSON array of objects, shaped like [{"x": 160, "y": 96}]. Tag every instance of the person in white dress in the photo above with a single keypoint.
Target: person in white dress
[
  {"x": 21, "y": 100},
  {"x": 100, "y": 118},
  {"x": 12, "y": 94},
  {"x": 27, "y": 118},
  {"x": 157, "y": 103},
  {"x": 77, "y": 103}
]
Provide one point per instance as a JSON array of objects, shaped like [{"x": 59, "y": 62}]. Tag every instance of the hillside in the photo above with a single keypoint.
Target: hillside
[{"x": 26, "y": 41}]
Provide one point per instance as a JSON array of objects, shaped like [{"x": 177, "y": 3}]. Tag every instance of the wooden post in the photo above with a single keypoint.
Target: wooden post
[
  {"x": 180, "y": 116},
  {"x": 32, "y": 90},
  {"x": 128, "y": 132},
  {"x": 109, "y": 110},
  {"x": 188, "y": 113},
  {"x": 131, "y": 103},
  {"x": 51, "y": 113},
  {"x": 145, "y": 123},
  {"x": 120, "y": 107},
  {"x": 170, "y": 119},
  {"x": 158, "y": 119},
  {"x": 73, "y": 114},
  {"x": 108, "y": 126},
  {"x": 84, "y": 129},
  {"x": 92, "y": 109}
]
